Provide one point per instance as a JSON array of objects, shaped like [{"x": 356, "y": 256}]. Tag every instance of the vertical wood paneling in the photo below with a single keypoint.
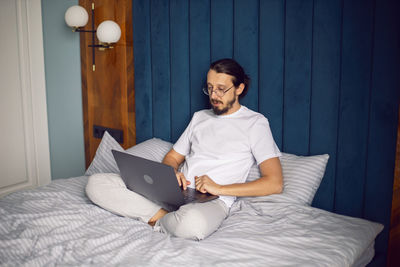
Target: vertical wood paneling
[
  {"x": 325, "y": 92},
  {"x": 271, "y": 63},
  {"x": 221, "y": 29},
  {"x": 160, "y": 68},
  {"x": 298, "y": 48},
  {"x": 143, "y": 83},
  {"x": 180, "y": 83},
  {"x": 383, "y": 116},
  {"x": 246, "y": 45},
  {"x": 354, "y": 106},
  {"x": 108, "y": 89},
  {"x": 199, "y": 51}
]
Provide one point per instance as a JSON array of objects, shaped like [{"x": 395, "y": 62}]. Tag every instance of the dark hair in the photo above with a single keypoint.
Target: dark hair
[{"x": 231, "y": 67}]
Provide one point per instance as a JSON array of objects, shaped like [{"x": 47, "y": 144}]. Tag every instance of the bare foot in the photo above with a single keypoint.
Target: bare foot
[{"x": 157, "y": 216}]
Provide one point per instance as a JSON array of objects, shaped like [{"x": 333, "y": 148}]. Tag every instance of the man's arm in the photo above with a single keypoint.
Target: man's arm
[
  {"x": 270, "y": 182},
  {"x": 174, "y": 159}
]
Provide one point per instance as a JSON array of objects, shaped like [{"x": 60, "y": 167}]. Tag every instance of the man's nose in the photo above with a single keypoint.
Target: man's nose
[{"x": 214, "y": 92}]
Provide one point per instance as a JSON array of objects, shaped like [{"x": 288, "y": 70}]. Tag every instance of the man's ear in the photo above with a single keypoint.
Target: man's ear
[{"x": 240, "y": 89}]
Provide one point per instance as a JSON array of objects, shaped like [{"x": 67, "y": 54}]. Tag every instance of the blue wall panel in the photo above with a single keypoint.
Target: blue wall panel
[
  {"x": 199, "y": 51},
  {"x": 221, "y": 29},
  {"x": 160, "y": 63},
  {"x": 325, "y": 74},
  {"x": 271, "y": 64},
  {"x": 325, "y": 85},
  {"x": 297, "y": 90},
  {"x": 180, "y": 83},
  {"x": 142, "y": 59},
  {"x": 354, "y": 101},
  {"x": 245, "y": 49}
]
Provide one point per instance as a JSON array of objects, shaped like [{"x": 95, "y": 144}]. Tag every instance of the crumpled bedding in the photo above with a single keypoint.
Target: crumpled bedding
[{"x": 58, "y": 225}]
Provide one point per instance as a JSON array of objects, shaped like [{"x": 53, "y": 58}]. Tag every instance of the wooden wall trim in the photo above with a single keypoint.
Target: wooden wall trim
[
  {"x": 394, "y": 238},
  {"x": 108, "y": 92}
]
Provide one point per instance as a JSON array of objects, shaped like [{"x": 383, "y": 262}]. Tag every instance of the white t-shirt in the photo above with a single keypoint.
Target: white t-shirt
[{"x": 225, "y": 147}]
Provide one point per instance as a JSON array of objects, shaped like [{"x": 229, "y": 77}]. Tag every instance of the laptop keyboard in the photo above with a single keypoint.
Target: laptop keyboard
[{"x": 189, "y": 195}]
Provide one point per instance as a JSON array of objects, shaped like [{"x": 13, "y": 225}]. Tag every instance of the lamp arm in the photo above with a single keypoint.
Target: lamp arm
[
  {"x": 83, "y": 30},
  {"x": 93, "y": 31}
]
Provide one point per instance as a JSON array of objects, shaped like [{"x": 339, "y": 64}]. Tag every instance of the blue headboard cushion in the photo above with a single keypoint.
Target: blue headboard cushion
[{"x": 323, "y": 72}]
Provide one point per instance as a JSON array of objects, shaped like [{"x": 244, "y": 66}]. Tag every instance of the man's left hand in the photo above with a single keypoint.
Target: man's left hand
[{"x": 205, "y": 184}]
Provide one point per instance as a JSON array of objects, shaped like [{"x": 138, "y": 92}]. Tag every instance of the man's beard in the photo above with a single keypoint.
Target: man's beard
[{"x": 224, "y": 110}]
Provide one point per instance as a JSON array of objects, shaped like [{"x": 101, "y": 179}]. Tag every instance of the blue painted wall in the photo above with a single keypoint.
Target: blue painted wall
[
  {"x": 63, "y": 87},
  {"x": 325, "y": 73}
]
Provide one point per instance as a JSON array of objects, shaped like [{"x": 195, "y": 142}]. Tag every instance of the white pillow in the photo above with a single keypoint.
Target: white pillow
[
  {"x": 153, "y": 149},
  {"x": 103, "y": 161},
  {"x": 302, "y": 176}
]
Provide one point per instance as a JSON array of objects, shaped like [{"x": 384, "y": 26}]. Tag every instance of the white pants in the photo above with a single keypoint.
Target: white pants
[{"x": 193, "y": 221}]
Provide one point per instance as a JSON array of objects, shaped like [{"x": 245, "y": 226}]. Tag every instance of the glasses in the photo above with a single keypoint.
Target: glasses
[{"x": 219, "y": 92}]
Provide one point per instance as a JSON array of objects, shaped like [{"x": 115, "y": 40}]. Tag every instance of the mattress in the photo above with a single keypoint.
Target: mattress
[{"x": 58, "y": 225}]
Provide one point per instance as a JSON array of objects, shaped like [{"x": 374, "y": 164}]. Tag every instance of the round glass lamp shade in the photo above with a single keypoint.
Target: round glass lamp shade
[
  {"x": 76, "y": 16},
  {"x": 108, "y": 32}
]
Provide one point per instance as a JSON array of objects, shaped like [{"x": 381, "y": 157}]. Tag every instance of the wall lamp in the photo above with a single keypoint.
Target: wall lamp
[{"x": 108, "y": 32}]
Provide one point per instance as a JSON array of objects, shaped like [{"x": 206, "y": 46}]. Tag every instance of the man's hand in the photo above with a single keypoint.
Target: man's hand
[
  {"x": 205, "y": 184},
  {"x": 174, "y": 159},
  {"x": 182, "y": 180}
]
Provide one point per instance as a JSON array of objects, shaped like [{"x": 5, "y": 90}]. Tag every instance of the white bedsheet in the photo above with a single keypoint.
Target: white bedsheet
[{"x": 58, "y": 225}]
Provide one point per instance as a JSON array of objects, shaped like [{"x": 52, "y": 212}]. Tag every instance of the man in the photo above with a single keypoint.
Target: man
[{"x": 217, "y": 148}]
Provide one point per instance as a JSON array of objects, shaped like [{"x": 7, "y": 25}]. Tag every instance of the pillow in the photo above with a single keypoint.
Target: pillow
[
  {"x": 153, "y": 149},
  {"x": 301, "y": 178},
  {"x": 301, "y": 175},
  {"x": 103, "y": 161}
]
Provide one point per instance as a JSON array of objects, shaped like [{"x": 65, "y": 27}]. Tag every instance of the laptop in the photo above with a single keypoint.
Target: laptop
[{"x": 156, "y": 181}]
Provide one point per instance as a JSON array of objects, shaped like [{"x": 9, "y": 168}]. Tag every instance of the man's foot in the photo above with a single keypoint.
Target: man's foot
[{"x": 157, "y": 216}]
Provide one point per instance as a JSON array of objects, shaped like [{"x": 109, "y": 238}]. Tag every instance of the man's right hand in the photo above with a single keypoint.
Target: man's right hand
[
  {"x": 182, "y": 180},
  {"x": 174, "y": 159}
]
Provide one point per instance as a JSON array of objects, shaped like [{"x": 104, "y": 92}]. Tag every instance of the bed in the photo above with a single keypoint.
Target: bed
[{"x": 58, "y": 225}]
